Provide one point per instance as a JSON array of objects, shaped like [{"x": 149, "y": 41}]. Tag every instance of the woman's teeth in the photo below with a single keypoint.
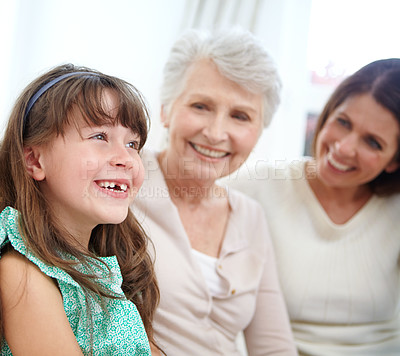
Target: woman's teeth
[
  {"x": 113, "y": 186},
  {"x": 339, "y": 166},
  {"x": 209, "y": 153}
]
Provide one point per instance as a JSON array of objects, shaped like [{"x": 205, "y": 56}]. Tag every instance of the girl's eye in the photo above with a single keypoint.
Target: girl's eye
[
  {"x": 134, "y": 145},
  {"x": 241, "y": 116},
  {"x": 373, "y": 143},
  {"x": 100, "y": 136}
]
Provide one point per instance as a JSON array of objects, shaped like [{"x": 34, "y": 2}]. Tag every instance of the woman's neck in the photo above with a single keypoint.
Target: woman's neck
[{"x": 341, "y": 204}]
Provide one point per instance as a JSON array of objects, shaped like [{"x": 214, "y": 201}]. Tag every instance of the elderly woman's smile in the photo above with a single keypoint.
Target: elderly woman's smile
[
  {"x": 214, "y": 124},
  {"x": 208, "y": 152}
]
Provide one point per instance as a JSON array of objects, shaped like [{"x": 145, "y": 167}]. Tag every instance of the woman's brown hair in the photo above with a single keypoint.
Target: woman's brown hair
[
  {"x": 44, "y": 236},
  {"x": 381, "y": 79}
]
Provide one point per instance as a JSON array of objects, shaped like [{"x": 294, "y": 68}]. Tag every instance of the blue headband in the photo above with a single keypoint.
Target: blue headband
[{"x": 46, "y": 87}]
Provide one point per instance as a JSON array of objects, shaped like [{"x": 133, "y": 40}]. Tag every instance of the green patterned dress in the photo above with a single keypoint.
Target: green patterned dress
[{"x": 117, "y": 328}]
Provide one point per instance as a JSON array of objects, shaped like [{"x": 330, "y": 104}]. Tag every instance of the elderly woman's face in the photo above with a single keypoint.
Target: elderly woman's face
[{"x": 213, "y": 125}]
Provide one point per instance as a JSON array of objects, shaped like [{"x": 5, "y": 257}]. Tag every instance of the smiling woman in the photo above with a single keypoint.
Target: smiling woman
[
  {"x": 214, "y": 124},
  {"x": 214, "y": 259},
  {"x": 358, "y": 141},
  {"x": 334, "y": 220}
]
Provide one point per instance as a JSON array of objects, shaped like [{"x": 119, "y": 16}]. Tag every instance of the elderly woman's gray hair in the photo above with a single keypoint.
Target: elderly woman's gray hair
[{"x": 238, "y": 55}]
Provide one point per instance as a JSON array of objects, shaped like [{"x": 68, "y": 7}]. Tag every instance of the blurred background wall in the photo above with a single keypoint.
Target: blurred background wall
[{"x": 315, "y": 44}]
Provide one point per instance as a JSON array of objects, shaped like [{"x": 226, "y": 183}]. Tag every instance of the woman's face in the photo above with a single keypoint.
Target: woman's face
[
  {"x": 213, "y": 125},
  {"x": 358, "y": 141}
]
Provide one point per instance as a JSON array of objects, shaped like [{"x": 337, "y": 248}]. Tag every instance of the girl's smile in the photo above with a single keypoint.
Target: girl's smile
[
  {"x": 91, "y": 174},
  {"x": 116, "y": 189}
]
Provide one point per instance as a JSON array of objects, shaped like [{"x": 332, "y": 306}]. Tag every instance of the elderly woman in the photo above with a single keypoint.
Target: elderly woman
[{"x": 214, "y": 259}]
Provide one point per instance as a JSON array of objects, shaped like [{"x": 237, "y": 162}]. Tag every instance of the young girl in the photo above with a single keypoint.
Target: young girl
[{"x": 75, "y": 277}]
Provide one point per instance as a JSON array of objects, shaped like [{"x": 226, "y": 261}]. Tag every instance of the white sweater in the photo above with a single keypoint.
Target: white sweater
[{"x": 341, "y": 282}]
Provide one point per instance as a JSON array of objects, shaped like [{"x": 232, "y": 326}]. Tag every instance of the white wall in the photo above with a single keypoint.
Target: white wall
[
  {"x": 131, "y": 39},
  {"x": 284, "y": 26},
  {"x": 125, "y": 38}
]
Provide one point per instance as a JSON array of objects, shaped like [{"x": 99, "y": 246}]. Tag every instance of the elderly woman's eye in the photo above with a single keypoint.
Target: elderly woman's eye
[
  {"x": 199, "y": 106},
  {"x": 241, "y": 116}
]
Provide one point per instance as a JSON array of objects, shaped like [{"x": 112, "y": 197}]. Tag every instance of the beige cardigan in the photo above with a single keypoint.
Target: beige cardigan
[{"x": 189, "y": 321}]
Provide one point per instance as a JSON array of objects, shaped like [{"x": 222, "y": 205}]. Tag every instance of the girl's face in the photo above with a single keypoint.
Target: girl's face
[
  {"x": 213, "y": 125},
  {"x": 90, "y": 176},
  {"x": 358, "y": 141}
]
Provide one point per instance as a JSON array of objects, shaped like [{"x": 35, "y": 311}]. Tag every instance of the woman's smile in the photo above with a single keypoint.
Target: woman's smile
[
  {"x": 213, "y": 125},
  {"x": 208, "y": 152}
]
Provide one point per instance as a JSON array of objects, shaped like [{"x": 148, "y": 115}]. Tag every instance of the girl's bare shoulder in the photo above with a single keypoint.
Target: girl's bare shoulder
[
  {"x": 19, "y": 276},
  {"x": 32, "y": 310}
]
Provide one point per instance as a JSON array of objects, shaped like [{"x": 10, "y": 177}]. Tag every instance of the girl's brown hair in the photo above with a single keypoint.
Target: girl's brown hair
[
  {"x": 43, "y": 234},
  {"x": 381, "y": 79}
]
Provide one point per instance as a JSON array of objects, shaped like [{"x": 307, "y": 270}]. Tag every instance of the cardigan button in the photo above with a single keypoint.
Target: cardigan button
[{"x": 233, "y": 291}]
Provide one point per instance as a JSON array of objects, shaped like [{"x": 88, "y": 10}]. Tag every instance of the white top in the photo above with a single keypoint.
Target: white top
[
  {"x": 189, "y": 320},
  {"x": 208, "y": 265},
  {"x": 341, "y": 282}
]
